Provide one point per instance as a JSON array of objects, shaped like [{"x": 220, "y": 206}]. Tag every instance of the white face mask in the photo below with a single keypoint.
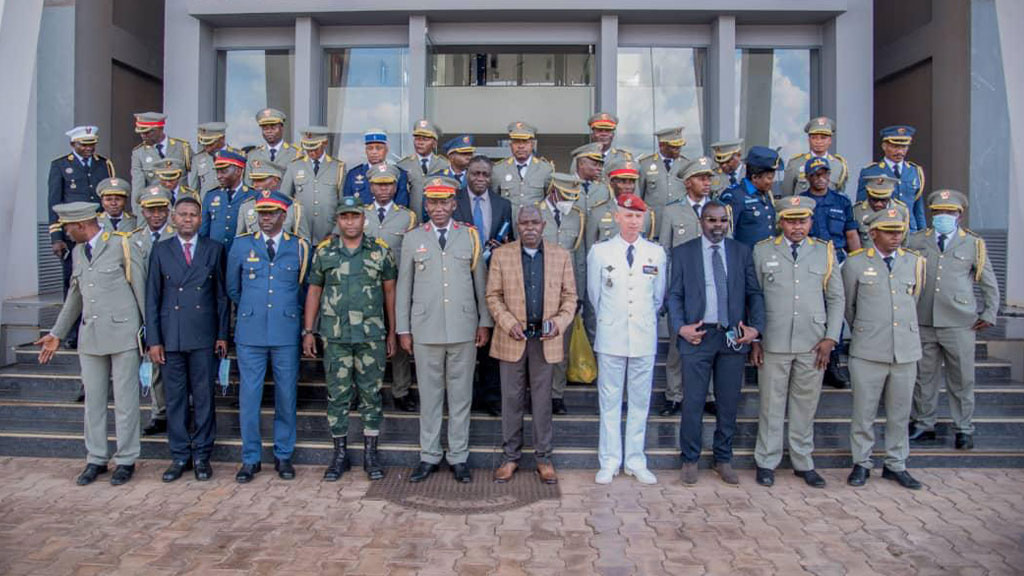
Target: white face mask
[{"x": 565, "y": 206}]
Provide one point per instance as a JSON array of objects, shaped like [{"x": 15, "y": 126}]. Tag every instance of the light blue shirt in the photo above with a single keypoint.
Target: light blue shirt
[
  {"x": 710, "y": 296},
  {"x": 485, "y": 208}
]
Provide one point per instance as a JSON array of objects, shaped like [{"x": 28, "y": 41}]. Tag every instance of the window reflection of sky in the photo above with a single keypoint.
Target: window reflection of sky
[
  {"x": 660, "y": 88},
  {"x": 245, "y": 93},
  {"x": 790, "y": 100}
]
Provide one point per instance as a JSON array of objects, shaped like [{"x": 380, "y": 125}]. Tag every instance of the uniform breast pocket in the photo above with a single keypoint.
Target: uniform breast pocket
[
  {"x": 868, "y": 285},
  {"x": 372, "y": 269},
  {"x": 420, "y": 262},
  {"x": 836, "y": 223},
  {"x": 463, "y": 261}
]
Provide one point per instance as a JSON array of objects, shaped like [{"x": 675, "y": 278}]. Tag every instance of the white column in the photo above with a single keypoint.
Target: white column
[
  {"x": 1010, "y": 14},
  {"x": 417, "y": 66},
  {"x": 722, "y": 79},
  {"x": 608, "y": 63},
  {"x": 308, "y": 74},
  {"x": 852, "y": 101},
  {"x": 190, "y": 71}
]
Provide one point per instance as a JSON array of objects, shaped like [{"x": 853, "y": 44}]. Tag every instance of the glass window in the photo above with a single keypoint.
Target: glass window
[
  {"x": 367, "y": 88},
  {"x": 774, "y": 94},
  {"x": 556, "y": 66},
  {"x": 253, "y": 80},
  {"x": 661, "y": 88}
]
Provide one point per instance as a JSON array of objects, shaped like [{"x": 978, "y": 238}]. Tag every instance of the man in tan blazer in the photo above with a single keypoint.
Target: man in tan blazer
[{"x": 531, "y": 293}]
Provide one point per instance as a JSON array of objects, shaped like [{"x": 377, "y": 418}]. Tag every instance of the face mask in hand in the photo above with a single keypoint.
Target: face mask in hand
[
  {"x": 565, "y": 206},
  {"x": 146, "y": 376},
  {"x": 944, "y": 223},
  {"x": 223, "y": 374}
]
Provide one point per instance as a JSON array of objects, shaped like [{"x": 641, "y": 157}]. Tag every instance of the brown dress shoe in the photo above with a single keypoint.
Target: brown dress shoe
[
  {"x": 689, "y": 473},
  {"x": 547, "y": 473},
  {"x": 505, "y": 471},
  {"x": 726, "y": 471}
]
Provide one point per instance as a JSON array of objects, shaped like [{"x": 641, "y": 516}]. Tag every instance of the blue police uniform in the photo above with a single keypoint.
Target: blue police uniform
[
  {"x": 220, "y": 213},
  {"x": 269, "y": 296},
  {"x": 833, "y": 216},
  {"x": 753, "y": 212},
  {"x": 357, "y": 183}
]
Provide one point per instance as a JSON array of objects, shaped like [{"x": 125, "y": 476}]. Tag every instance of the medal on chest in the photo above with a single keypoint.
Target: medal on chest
[{"x": 608, "y": 282}]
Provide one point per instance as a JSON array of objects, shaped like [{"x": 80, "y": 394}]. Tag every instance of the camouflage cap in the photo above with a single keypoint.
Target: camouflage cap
[
  {"x": 349, "y": 205},
  {"x": 795, "y": 207}
]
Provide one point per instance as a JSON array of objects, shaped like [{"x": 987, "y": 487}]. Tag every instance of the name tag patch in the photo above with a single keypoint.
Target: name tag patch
[{"x": 653, "y": 270}]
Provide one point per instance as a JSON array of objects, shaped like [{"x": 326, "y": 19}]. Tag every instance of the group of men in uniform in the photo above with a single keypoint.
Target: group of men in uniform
[{"x": 378, "y": 286}]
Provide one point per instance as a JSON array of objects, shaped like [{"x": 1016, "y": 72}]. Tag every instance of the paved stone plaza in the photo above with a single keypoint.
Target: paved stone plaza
[{"x": 964, "y": 522}]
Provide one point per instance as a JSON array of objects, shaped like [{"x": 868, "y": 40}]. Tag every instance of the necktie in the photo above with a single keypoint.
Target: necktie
[
  {"x": 440, "y": 237},
  {"x": 156, "y": 237},
  {"x": 114, "y": 222},
  {"x": 942, "y": 242},
  {"x": 188, "y": 253},
  {"x": 586, "y": 187},
  {"x": 424, "y": 165},
  {"x": 696, "y": 209},
  {"x": 629, "y": 255},
  {"x": 794, "y": 248},
  {"x": 273, "y": 154},
  {"x": 732, "y": 179},
  {"x": 271, "y": 252},
  {"x": 668, "y": 164},
  {"x": 316, "y": 167},
  {"x": 896, "y": 170},
  {"x": 558, "y": 217},
  {"x": 478, "y": 218},
  {"x": 85, "y": 164},
  {"x": 88, "y": 251},
  {"x": 721, "y": 290},
  {"x": 521, "y": 168},
  {"x": 381, "y": 212},
  {"x": 888, "y": 262},
  {"x": 160, "y": 150}
]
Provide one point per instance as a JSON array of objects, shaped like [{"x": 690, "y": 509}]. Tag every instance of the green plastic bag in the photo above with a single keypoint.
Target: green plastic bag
[{"x": 582, "y": 363}]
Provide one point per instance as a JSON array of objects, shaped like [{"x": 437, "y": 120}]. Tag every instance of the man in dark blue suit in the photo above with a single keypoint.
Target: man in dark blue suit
[
  {"x": 357, "y": 180},
  {"x": 491, "y": 214},
  {"x": 186, "y": 323},
  {"x": 716, "y": 306}
]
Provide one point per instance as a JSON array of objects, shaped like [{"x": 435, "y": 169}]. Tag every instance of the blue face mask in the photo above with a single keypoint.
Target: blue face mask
[{"x": 944, "y": 223}]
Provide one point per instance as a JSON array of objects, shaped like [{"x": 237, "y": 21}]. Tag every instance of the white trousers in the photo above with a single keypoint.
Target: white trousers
[{"x": 634, "y": 375}]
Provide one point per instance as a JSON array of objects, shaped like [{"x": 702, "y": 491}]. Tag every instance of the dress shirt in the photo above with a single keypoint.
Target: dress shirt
[
  {"x": 192, "y": 246},
  {"x": 710, "y": 296},
  {"x": 485, "y": 207},
  {"x": 533, "y": 282}
]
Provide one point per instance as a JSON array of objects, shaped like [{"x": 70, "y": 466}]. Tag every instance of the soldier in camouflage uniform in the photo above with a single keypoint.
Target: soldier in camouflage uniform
[{"x": 352, "y": 286}]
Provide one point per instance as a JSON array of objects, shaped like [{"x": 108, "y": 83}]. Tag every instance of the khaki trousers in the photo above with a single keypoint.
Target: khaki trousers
[
  {"x": 873, "y": 381},
  {"x": 97, "y": 372},
  {"x": 953, "y": 347},
  {"x": 789, "y": 386},
  {"x": 445, "y": 369}
]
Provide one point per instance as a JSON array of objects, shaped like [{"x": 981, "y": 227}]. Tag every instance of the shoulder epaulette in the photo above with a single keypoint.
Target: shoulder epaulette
[
  {"x": 830, "y": 252},
  {"x": 912, "y": 251},
  {"x": 644, "y": 157},
  {"x": 412, "y": 220},
  {"x": 323, "y": 243},
  {"x": 381, "y": 242},
  {"x": 800, "y": 155},
  {"x": 139, "y": 229},
  {"x": 246, "y": 233},
  {"x": 139, "y": 145},
  {"x": 855, "y": 252},
  {"x": 898, "y": 202},
  {"x": 299, "y": 157},
  {"x": 841, "y": 159},
  {"x": 874, "y": 164},
  {"x": 765, "y": 241}
]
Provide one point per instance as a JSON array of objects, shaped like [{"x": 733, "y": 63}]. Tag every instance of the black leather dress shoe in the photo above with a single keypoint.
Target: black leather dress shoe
[
  {"x": 812, "y": 478},
  {"x": 246, "y": 473},
  {"x": 711, "y": 408},
  {"x": 422, "y": 471},
  {"x": 917, "y": 434},
  {"x": 203, "y": 470},
  {"x": 406, "y": 403},
  {"x": 175, "y": 470},
  {"x": 88, "y": 476},
  {"x": 155, "y": 427},
  {"x": 461, "y": 473},
  {"x": 122, "y": 474},
  {"x": 964, "y": 441},
  {"x": 284, "y": 468},
  {"x": 835, "y": 376},
  {"x": 765, "y": 476},
  {"x": 858, "y": 476},
  {"x": 558, "y": 407},
  {"x": 672, "y": 409},
  {"x": 903, "y": 478},
  {"x": 81, "y": 395},
  {"x": 492, "y": 409}
]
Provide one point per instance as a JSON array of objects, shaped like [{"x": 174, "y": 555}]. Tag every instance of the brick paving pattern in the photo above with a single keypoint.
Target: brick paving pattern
[{"x": 964, "y": 522}]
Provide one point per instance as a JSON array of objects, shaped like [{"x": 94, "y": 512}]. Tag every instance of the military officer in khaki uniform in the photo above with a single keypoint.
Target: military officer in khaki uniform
[
  {"x": 879, "y": 197},
  {"x": 602, "y": 131},
  {"x": 564, "y": 224},
  {"x": 115, "y": 217},
  {"x": 601, "y": 225},
  {"x": 882, "y": 286},
  {"x": 521, "y": 177},
  {"x": 156, "y": 208},
  {"x": 314, "y": 180},
  {"x": 679, "y": 223},
  {"x": 389, "y": 222},
  {"x": 155, "y": 145},
  {"x": 819, "y": 139},
  {"x": 728, "y": 156},
  {"x": 442, "y": 320},
  {"x": 108, "y": 291},
  {"x": 203, "y": 176},
  {"x": 274, "y": 148},
  {"x": 422, "y": 162},
  {"x": 266, "y": 177},
  {"x": 657, "y": 170},
  {"x": 948, "y": 315},
  {"x": 589, "y": 165},
  {"x": 169, "y": 173},
  {"x": 804, "y": 305}
]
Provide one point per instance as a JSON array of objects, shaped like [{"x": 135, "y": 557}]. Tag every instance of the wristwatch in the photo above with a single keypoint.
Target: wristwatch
[{"x": 307, "y": 332}]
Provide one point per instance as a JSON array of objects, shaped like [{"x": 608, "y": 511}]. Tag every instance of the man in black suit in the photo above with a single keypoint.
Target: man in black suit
[
  {"x": 716, "y": 306},
  {"x": 186, "y": 323},
  {"x": 476, "y": 204}
]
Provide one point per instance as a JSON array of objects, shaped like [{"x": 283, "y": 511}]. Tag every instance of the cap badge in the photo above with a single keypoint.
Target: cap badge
[
  {"x": 794, "y": 200},
  {"x": 944, "y": 195},
  {"x": 901, "y": 131},
  {"x": 891, "y": 213}
]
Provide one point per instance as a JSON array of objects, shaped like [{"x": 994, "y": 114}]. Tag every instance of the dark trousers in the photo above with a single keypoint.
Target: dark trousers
[
  {"x": 487, "y": 387},
  {"x": 190, "y": 372},
  {"x": 534, "y": 371},
  {"x": 712, "y": 355}
]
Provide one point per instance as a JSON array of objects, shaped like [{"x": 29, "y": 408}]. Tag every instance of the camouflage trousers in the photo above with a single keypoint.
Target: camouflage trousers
[{"x": 354, "y": 368}]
